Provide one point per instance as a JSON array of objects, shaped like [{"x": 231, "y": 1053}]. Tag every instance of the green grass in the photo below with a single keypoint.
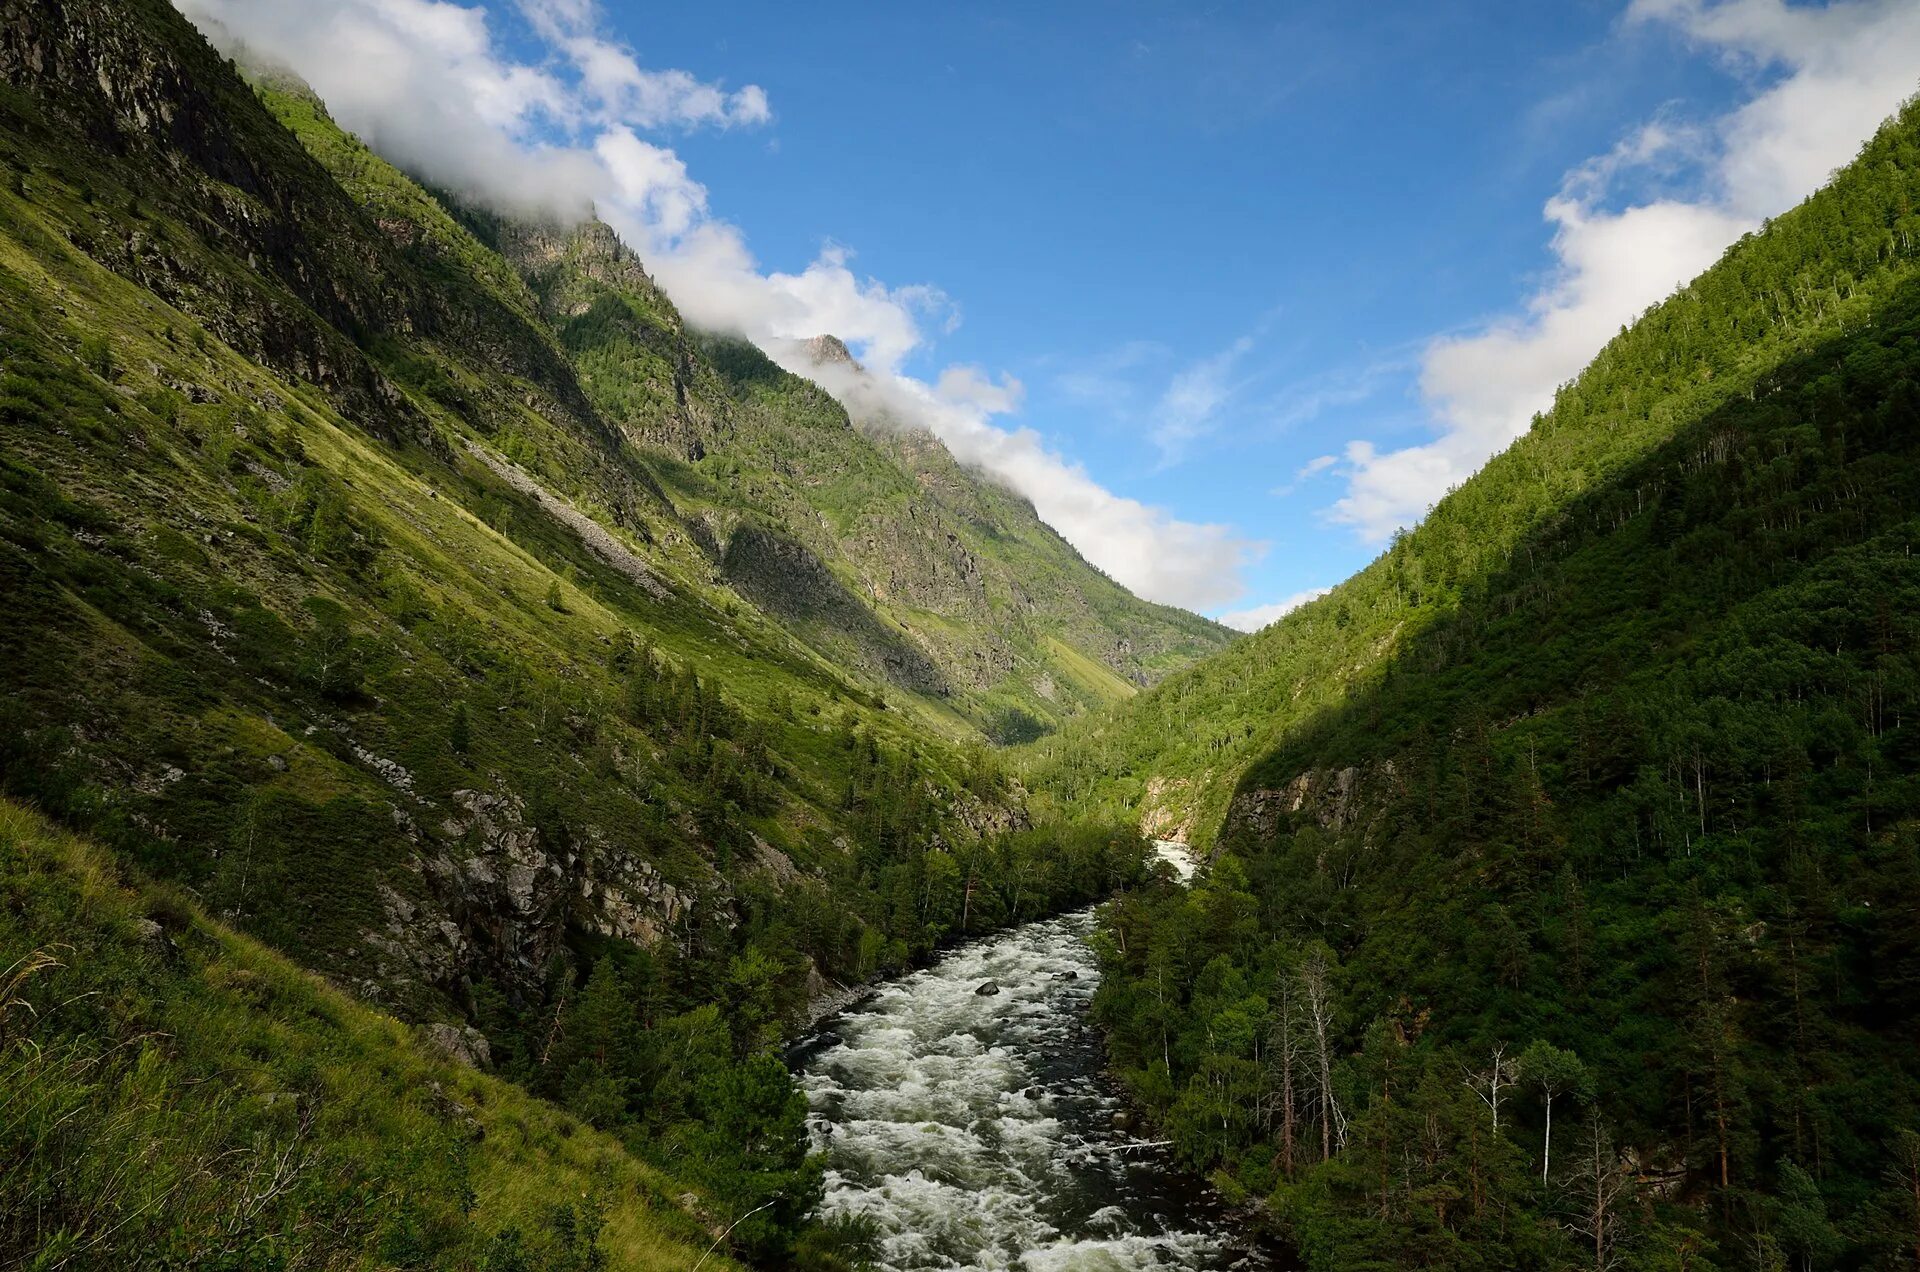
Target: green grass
[{"x": 171, "y": 1091}]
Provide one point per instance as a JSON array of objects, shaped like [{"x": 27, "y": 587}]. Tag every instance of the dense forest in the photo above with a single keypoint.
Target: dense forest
[{"x": 1583, "y": 929}]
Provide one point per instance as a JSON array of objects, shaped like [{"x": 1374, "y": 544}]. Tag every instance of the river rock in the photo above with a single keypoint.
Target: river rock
[
  {"x": 1123, "y": 1121},
  {"x": 1067, "y": 975},
  {"x": 987, "y": 989}
]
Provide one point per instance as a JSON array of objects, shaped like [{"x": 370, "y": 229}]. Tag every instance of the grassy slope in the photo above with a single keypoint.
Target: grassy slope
[
  {"x": 164, "y": 634},
  {"x": 953, "y": 568},
  {"x": 172, "y": 1090},
  {"x": 198, "y": 530},
  {"x": 1175, "y": 756}
]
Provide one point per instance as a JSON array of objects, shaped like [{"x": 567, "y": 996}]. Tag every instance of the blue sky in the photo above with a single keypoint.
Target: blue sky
[
  {"x": 1268, "y": 276},
  {"x": 1113, "y": 194}
]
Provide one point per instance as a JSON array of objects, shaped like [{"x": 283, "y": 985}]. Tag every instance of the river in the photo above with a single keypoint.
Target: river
[{"x": 977, "y": 1130}]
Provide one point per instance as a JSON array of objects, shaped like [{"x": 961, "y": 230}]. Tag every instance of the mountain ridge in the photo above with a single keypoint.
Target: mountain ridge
[{"x": 358, "y": 591}]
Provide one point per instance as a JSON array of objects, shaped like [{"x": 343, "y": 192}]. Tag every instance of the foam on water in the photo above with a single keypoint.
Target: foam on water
[
  {"x": 1177, "y": 855},
  {"x": 977, "y": 1132}
]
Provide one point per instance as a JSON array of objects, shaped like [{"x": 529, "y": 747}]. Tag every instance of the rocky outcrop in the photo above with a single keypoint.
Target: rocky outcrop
[
  {"x": 495, "y": 901},
  {"x": 1333, "y": 799},
  {"x": 785, "y": 578},
  {"x": 828, "y": 998},
  {"x": 830, "y": 350},
  {"x": 1168, "y": 811},
  {"x": 627, "y": 899},
  {"x": 462, "y": 1044},
  {"x": 499, "y": 882}
]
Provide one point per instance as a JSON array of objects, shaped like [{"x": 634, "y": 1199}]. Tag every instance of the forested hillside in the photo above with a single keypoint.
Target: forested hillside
[
  {"x": 1566, "y": 911},
  {"x": 1175, "y": 756}
]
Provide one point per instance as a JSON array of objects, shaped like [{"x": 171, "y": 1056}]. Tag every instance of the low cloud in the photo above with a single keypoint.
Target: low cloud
[
  {"x": 1837, "y": 71},
  {"x": 1151, "y": 552},
  {"x": 1252, "y": 620},
  {"x": 427, "y": 84},
  {"x": 424, "y": 83}
]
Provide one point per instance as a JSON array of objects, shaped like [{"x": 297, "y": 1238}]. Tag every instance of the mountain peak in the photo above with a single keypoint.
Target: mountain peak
[{"x": 827, "y": 348}]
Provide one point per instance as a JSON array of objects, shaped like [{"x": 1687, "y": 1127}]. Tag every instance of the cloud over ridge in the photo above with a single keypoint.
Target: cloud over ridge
[{"x": 432, "y": 86}]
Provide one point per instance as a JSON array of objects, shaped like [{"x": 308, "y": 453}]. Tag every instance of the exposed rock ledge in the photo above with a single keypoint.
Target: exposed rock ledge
[
  {"x": 599, "y": 540},
  {"x": 1334, "y": 798},
  {"x": 1169, "y": 809},
  {"x": 829, "y": 998}
]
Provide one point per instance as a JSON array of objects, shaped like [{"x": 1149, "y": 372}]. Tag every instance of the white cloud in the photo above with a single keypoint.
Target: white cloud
[
  {"x": 1252, "y": 620},
  {"x": 426, "y": 83},
  {"x": 623, "y": 90},
  {"x": 1187, "y": 408},
  {"x": 1305, "y": 473},
  {"x": 1145, "y": 548},
  {"x": 1837, "y": 70}
]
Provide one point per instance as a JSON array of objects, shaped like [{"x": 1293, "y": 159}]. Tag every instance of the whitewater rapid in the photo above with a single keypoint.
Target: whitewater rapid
[{"x": 977, "y": 1131}]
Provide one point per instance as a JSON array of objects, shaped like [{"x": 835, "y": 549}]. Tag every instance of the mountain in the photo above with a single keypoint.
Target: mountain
[
  {"x": 460, "y": 721},
  {"x": 1564, "y": 898},
  {"x": 410, "y": 590}
]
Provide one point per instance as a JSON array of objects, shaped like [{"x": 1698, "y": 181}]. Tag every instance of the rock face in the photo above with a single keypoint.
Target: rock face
[
  {"x": 1167, "y": 811},
  {"x": 496, "y": 901},
  {"x": 830, "y": 350},
  {"x": 827, "y": 998},
  {"x": 462, "y": 1044},
  {"x": 783, "y": 577},
  {"x": 1333, "y": 798},
  {"x": 499, "y": 881}
]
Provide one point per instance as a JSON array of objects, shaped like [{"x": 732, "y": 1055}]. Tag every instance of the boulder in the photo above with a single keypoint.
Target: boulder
[{"x": 462, "y": 1044}]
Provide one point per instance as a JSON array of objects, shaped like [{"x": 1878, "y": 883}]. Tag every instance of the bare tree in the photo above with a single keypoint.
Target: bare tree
[
  {"x": 1502, "y": 1071},
  {"x": 1316, "y": 997},
  {"x": 1285, "y": 1056},
  {"x": 1601, "y": 1188},
  {"x": 1905, "y": 1173}
]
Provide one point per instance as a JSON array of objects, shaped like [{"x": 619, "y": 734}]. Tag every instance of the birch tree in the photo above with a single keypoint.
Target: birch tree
[
  {"x": 1554, "y": 1073},
  {"x": 1501, "y": 1073}
]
